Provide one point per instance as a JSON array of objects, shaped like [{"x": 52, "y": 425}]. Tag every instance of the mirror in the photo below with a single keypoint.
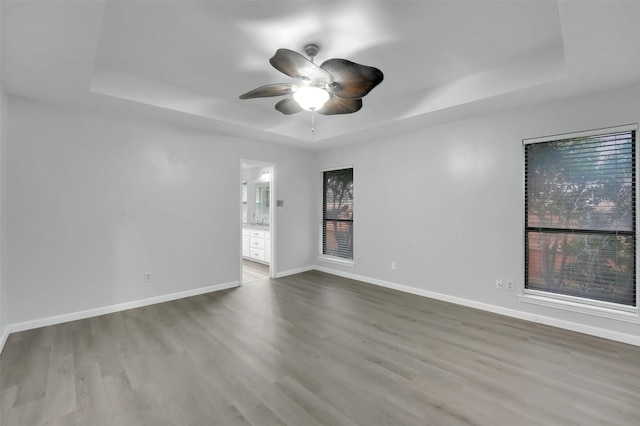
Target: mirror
[
  {"x": 256, "y": 194},
  {"x": 262, "y": 203},
  {"x": 244, "y": 202}
]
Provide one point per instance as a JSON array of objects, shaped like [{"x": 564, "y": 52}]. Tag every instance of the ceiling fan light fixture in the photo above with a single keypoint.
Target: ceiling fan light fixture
[
  {"x": 337, "y": 86},
  {"x": 311, "y": 98}
]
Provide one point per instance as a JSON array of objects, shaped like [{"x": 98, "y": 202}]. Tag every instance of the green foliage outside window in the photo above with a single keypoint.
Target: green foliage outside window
[{"x": 580, "y": 207}]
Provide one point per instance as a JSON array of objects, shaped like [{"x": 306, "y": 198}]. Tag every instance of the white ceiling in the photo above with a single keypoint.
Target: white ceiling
[{"x": 188, "y": 61}]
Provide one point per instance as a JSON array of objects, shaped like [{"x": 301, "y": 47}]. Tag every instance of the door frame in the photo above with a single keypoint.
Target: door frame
[{"x": 272, "y": 212}]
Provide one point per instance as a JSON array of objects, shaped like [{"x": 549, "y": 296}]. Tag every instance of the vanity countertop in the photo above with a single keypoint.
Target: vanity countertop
[{"x": 256, "y": 226}]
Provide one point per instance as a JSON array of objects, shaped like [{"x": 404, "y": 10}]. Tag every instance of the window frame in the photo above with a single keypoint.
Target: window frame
[
  {"x": 329, "y": 258},
  {"x": 572, "y": 303}
]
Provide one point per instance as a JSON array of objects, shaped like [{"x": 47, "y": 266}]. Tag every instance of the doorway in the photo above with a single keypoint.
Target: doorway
[{"x": 257, "y": 215}]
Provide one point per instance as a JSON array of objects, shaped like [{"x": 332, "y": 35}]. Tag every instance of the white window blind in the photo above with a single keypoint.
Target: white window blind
[
  {"x": 337, "y": 213},
  {"x": 580, "y": 207}
]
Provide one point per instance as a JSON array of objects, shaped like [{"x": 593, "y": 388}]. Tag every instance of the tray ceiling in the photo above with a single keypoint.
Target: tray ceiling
[{"x": 443, "y": 61}]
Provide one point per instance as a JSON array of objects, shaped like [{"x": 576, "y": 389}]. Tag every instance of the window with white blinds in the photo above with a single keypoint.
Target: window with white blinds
[
  {"x": 337, "y": 213},
  {"x": 580, "y": 216}
]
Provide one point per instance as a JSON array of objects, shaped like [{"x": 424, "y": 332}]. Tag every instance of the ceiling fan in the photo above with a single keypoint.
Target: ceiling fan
[{"x": 335, "y": 87}]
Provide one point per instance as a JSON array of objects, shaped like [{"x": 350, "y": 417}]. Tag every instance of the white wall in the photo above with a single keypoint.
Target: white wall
[
  {"x": 92, "y": 200},
  {"x": 446, "y": 203},
  {"x": 95, "y": 200}
]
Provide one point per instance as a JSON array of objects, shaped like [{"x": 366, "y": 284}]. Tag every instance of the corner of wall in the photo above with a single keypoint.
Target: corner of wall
[
  {"x": 3, "y": 162},
  {"x": 3, "y": 141}
]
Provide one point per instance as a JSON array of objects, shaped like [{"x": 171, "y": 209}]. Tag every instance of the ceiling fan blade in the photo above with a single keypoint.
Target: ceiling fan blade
[
  {"x": 336, "y": 105},
  {"x": 269, "y": 90},
  {"x": 288, "y": 106},
  {"x": 352, "y": 81},
  {"x": 295, "y": 65}
]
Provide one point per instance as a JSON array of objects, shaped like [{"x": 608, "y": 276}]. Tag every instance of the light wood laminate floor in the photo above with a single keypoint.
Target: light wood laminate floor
[
  {"x": 314, "y": 349},
  {"x": 252, "y": 271}
]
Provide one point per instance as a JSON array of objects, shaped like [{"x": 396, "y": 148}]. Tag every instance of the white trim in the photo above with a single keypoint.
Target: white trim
[
  {"x": 272, "y": 221},
  {"x": 580, "y": 307},
  {"x": 576, "y": 304},
  {"x": 332, "y": 259},
  {"x": 294, "y": 271},
  {"x": 337, "y": 261},
  {"x": 540, "y": 319},
  {"x": 609, "y": 306},
  {"x": 59, "y": 319},
  {"x": 272, "y": 213},
  {"x": 3, "y": 338},
  {"x": 329, "y": 169},
  {"x": 241, "y": 225},
  {"x": 586, "y": 133}
]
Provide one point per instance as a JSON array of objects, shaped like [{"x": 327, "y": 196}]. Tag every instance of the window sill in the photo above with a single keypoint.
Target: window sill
[
  {"x": 337, "y": 261},
  {"x": 630, "y": 314}
]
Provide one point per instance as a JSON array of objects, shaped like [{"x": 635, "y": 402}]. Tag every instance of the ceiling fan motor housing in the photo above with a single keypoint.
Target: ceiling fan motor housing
[{"x": 311, "y": 50}]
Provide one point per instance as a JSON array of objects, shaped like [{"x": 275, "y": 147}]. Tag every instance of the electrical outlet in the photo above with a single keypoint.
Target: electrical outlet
[
  {"x": 509, "y": 285},
  {"x": 393, "y": 264},
  {"x": 147, "y": 277},
  {"x": 499, "y": 284}
]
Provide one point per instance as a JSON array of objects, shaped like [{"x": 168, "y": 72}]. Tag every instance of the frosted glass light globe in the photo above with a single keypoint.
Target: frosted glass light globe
[{"x": 311, "y": 98}]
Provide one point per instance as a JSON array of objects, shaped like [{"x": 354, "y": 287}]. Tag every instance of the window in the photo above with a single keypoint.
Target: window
[
  {"x": 337, "y": 213},
  {"x": 580, "y": 224}
]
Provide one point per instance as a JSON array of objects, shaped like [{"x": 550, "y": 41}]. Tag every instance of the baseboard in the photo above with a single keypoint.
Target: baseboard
[
  {"x": 59, "y": 319},
  {"x": 514, "y": 313},
  {"x": 3, "y": 338},
  {"x": 294, "y": 271}
]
